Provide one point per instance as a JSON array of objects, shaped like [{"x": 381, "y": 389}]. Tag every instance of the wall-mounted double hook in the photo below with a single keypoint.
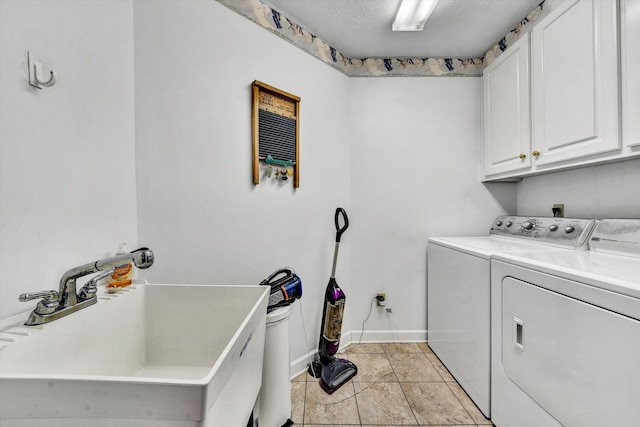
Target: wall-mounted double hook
[{"x": 36, "y": 79}]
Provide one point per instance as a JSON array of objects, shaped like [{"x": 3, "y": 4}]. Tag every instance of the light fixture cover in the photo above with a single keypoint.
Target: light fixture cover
[{"x": 413, "y": 14}]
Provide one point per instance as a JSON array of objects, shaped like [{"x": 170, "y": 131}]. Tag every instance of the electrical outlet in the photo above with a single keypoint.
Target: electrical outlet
[
  {"x": 381, "y": 298},
  {"x": 558, "y": 210}
]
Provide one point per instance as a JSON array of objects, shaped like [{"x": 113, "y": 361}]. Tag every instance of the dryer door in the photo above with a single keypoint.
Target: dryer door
[{"x": 577, "y": 361}]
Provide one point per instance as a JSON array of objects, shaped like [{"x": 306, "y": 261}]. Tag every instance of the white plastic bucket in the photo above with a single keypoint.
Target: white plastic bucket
[{"x": 275, "y": 394}]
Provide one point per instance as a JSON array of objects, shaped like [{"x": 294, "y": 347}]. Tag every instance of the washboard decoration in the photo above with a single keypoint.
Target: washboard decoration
[{"x": 276, "y": 132}]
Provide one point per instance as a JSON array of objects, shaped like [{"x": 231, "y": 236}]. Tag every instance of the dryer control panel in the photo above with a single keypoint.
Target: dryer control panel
[{"x": 563, "y": 232}]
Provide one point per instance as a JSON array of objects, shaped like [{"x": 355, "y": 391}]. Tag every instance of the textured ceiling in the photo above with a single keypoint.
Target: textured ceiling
[{"x": 362, "y": 28}]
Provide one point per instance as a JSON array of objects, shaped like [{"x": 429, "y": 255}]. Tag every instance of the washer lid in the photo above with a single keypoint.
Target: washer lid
[
  {"x": 486, "y": 246},
  {"x": 621, "y": 236}
]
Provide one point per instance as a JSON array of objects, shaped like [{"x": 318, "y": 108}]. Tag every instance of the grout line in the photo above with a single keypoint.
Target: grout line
[
  {"x": 460, "y": 401},
  {"x": 444, "y": 367},
  {"x": 304, "y": 399},
  {"x": 413, "y": 412},
  {"x": 355, "y": 399}
]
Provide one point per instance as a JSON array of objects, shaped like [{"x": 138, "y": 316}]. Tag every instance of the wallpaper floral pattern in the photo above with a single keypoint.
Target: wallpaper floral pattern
[{"x": 275, "y": 22}]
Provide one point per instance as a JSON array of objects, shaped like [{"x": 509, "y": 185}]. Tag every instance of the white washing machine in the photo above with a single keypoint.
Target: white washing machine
[
  {"x": 565, "y": 333},
  {"x": 458, "y": 291}
]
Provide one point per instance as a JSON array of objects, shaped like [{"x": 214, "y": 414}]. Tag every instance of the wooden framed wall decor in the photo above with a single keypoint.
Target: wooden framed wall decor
[{"x": 275, "y": 131}]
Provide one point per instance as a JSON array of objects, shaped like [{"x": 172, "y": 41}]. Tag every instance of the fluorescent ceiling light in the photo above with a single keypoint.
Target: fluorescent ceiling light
[{"x": 413, "y": 14}]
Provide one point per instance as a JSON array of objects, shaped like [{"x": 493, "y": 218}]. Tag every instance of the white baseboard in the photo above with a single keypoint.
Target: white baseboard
[
  {"x": 300, "y": 364},
  {"x": 385, "y": 336}
]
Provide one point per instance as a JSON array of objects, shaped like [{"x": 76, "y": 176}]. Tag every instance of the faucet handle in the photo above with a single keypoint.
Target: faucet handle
[
  {"x": 49, "y": 303},
  {"x": 90, "y": 288},
  {"x": 47, "y": 295}
]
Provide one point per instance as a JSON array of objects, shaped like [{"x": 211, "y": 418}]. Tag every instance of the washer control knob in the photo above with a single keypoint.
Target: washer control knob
[
  {"x": 509, "y": 224},
  {"x": 527, "y": 225},
  {"x": 499, "y": 223},
  {"x": 553, "y": 227},
  {"x": 569, "y": 229}
]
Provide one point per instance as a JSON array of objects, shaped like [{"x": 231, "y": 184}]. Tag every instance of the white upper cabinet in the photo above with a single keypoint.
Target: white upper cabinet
[
  {"x": 575, "y": 82},
  {"x": 576, "y": 102},
  {"x": 630, "y": 52},
  {"x": 506, "y": 122}
]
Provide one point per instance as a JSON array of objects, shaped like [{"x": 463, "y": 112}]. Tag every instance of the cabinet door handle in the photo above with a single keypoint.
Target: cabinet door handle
[
  {"x": 522, "y": 156},
  {"x": 536, "y": 153}
]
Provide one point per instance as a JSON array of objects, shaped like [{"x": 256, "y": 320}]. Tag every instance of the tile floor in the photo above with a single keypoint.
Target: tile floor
[{"x": 397, "y": 385}]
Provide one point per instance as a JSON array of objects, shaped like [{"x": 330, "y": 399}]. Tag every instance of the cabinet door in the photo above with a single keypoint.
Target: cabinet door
[
  {"x": 630, "y": 66},
  {"x": 575, "y": 81},
  {"x": 506, "y": 118}
]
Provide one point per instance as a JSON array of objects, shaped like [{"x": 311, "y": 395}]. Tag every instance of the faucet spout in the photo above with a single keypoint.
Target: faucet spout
[
  {"x": 55, "y": 305},
  {"x": 141, "y": 258}
]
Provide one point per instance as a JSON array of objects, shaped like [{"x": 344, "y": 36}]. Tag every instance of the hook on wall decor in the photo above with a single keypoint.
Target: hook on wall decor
[
  {"x": 35, "y": 74},
  {"x": 271, "y": 161}
]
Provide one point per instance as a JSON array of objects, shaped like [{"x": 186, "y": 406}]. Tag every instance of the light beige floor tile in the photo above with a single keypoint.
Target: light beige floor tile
[
  {"x": 468, "y": 404},
  {"x": 301, "y": 377},
  {"x": 365, "y": 348},
  {"x": 442, "y": 370},
  {"x": 372, "y": 367},
  {"x": 360, "y": 386},
  {"x": 425, "y": 347},
  {"x": 338, "y": 408},
  {"x": 341, "y": 353},
  {"x": 384, "y": 403},
  {"x": 413, "y": 367},
  {"x": 403, "y": 347},
  {"x": 434, "y": 403},
  {"x": 298, "y": 389}
]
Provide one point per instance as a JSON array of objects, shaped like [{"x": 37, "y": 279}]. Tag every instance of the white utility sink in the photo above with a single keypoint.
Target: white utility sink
[{"x": 151, "y": 355}]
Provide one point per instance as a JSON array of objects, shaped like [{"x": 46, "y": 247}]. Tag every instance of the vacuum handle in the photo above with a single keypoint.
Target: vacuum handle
[
  {"x": 286, "y": 272},
  {"x": 339, "y": 231}
]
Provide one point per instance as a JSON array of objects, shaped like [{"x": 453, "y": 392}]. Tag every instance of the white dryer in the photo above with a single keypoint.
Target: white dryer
[
  {"x": 458, "y": 291},
  {"x": 566, "y": 333}
]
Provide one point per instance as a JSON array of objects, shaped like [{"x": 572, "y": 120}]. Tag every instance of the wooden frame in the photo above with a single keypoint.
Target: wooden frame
[{"x": 277, "y": 103}]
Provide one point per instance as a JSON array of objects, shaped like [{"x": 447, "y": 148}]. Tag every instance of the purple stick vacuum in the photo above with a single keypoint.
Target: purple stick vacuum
[{"x": 333, "y": 372}]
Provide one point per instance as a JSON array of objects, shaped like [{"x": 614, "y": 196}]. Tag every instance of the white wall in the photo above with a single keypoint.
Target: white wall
[
  {"x": 606, "y": 191},
  {"x": 67, "y": 179},
  {"x": 198, "y": 209},
  {"x": 415, "y": 174},
  {"x": 401, "y": 155}
]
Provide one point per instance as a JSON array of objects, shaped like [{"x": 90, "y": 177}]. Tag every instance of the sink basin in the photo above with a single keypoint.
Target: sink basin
[{"x": 149, "y": 355}]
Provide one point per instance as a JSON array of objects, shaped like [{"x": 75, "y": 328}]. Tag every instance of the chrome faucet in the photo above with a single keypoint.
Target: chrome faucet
[{"x": 55, "y": 304}]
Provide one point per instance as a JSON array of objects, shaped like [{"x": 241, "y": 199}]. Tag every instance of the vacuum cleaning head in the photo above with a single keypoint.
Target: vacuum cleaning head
[{"x": 336, "y": 373}]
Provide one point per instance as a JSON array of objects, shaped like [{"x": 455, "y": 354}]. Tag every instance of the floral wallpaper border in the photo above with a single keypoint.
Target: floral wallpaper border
[{"x": 275, "y": 22}]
